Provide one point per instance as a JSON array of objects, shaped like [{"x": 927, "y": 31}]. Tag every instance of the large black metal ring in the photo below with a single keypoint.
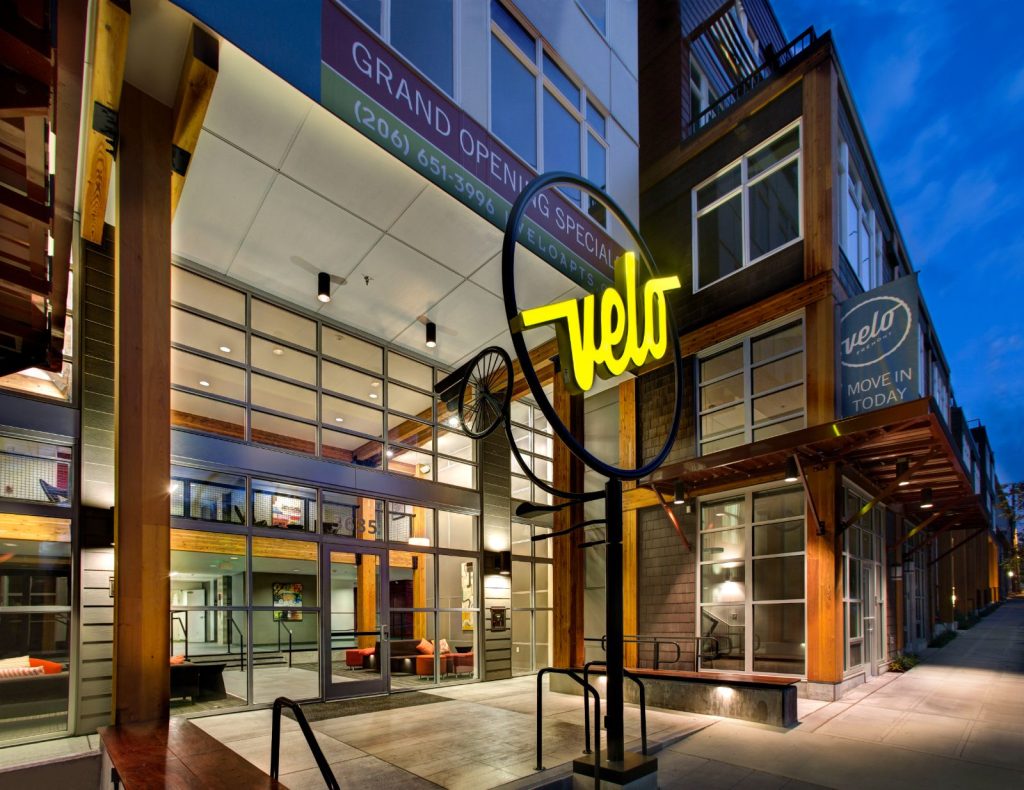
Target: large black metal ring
[{"x": 508, "y": 282}]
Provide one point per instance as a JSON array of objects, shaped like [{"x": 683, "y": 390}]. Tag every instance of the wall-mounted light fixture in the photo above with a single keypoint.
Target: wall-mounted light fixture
[
  {"x": 431, "y": 334},
  {"x": 680, "y": 494},
  {"x": 323, "y": 287},
  {"x": 792, "y": 472},
  {"x": 926, "y": 499},
  {"x": 497, "y": 563}
]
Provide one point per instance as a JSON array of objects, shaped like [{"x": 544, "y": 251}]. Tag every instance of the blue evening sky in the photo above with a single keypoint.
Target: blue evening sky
[{"x": 939, "y": 85}]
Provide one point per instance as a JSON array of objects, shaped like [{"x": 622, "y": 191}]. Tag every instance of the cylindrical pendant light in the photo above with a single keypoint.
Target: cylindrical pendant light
[
  {"x": 431, "y": 334},
  {"x": 323, "y": 287}
]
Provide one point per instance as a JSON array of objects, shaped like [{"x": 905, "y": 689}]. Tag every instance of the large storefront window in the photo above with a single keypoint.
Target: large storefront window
[
  {"x": 864, "y": 585},
  {"x": 752, "y": 388},
  {"x": 35, "y": 625},
  {"x": 246, "y": 606},
  {"x": 752, "y": 581},
  {"x": 748, "y": 210},
  {"x": 247, "y": 369}
]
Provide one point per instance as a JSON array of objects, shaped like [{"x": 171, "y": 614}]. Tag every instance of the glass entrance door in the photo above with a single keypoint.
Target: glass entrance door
[{"x": 355, "y": 630}]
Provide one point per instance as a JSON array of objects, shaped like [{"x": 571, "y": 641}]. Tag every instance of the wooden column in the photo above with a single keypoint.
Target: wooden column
[
  {"x": 627, "y": 460},
  {"x": 419, "y": 576},
  {"x": 142, "y": 429},
  {"x": 366, "y": 575},
  {"x": 825, "y": 642},
  {"x": 567, "y": 650}
]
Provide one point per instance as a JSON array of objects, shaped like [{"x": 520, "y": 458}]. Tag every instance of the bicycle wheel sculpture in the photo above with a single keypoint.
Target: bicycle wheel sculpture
[{"x": 486, "y": 392}]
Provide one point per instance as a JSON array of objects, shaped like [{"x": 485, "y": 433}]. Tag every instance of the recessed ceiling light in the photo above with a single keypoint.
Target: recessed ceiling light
[
  {"x": 204, "y": 383},
  {"x": 339, "y": 419},
  {"x": 453, "y": 422},
  {"x": 373, "y": 395},
  {"x": 234, "y": 558},
  {"x": 374, "y": 383},
  {"x": 390, "y": 453},
  {"x": 225, "y": 349},
  {"x": 277, "y": 352},
  {"x": 12, "y": 545}
]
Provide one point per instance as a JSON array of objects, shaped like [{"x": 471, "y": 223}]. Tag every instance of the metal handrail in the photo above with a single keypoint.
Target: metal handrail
[
  {"x": 184, "y": 628},
  {"x": 643, "y": 703},
  {"x": 587, "y": 688},
  {"x": 307, "y": 732},
  {"x": 241, "y": 641},
  {"x": 771, "y": 66},
  {"x": 280, "y": 625},
  {"x": 658, "y": 641}
]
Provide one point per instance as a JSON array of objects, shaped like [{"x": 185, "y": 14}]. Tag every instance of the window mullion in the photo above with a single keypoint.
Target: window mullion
[{"x": 744, "y": 213}]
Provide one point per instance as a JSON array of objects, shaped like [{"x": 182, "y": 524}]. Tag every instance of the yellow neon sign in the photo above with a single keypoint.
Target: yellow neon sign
[{"x": 626, "y": 336}]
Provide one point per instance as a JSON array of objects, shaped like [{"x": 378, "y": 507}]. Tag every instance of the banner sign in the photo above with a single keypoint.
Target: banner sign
[
  {"x": 368, "y": 86},
  {"x": 879, "y": 347}
]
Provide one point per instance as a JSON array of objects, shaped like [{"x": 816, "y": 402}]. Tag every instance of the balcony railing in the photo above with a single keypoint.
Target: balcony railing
[{"x": 773, "y": 63}]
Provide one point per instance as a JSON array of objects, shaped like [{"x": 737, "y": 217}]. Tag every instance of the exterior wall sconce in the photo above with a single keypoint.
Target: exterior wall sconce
[
  {"x": 431, "y": 334},
  {"x": 926, "y": 499},
  {"x": 497, "y": 563},
  {"x": 792, "y": 472},
  {"x": 323, "y": 287}
]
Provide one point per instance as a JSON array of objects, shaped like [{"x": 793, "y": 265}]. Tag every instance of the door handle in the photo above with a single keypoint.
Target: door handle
[{"x": 385, "y": 633}]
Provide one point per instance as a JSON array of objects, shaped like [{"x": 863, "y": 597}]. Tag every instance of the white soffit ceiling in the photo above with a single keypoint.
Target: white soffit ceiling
[{"x": 280, "y": 189}]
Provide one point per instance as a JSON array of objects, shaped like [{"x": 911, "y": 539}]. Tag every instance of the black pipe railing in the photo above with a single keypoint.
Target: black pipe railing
[
  {"x": 773, "y": 64},
  {"x": 280, "y": 625},
  {"x": 233, "y": 626},
  {"x": 184, "y": 628},
  {"x": 307, "y": 733},
  {"x": 587, "y": 689},
  {"x": 643, "y": 703}
]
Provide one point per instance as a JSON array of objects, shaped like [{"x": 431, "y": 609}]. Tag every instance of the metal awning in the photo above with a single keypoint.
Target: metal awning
[{"x": 870, "y": 447}]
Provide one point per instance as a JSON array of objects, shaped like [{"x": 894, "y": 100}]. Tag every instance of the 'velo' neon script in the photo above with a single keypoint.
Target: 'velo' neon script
[{"x": 611, "y": 333}]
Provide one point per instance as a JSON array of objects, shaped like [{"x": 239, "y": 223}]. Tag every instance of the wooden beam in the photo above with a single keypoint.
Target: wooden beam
[
  {"x": 195, "y": 87},
  {"x": 568, "y": 568},
  {"x": 110, "y": 50},
  {"x": 886, "y": 492},
  {"x": 142, "y": 347},
  {"x": 824, "y": 637}
]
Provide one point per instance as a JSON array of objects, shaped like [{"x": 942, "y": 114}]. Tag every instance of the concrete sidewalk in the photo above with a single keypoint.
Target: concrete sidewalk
[{"x": 955, "y": 721}]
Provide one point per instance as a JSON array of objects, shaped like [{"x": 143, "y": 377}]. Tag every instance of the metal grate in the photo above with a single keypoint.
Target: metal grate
[{"x": 35, "y": 471}]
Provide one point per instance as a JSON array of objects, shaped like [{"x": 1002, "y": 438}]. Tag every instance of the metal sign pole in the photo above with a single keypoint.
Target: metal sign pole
[{"x": 613, "y": 619}]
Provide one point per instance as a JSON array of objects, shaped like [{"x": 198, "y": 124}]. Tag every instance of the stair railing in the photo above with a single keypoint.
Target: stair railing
[
  {"x": 307, "y": 733},
  {"x": 280, "y": 625}
]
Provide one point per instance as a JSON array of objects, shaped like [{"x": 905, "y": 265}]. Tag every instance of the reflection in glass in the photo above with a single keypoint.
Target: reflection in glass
[
  {"x": 207, "y": 496},
  {"x": 281, "y": 505}
]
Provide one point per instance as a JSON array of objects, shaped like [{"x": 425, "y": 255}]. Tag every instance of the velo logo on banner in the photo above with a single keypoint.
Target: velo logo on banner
[{"x": 879, "y": 347}]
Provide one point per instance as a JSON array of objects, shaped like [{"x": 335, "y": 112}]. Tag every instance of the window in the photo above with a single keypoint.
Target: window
[
  {"x": 350, "y": 400},
  {"x": 571, "y": 126},
  {"x": 596, "y": 11},
  {"x": 422, "y": 30},
  {"x": 752, "y": 389},
  {"x": 752, "y": 581},
  {"x": 861, "y": 238},
  {"x": 747, "y": 211},
  {"x": 533, "y": 436},
  {"x": 35, "y": 471}
]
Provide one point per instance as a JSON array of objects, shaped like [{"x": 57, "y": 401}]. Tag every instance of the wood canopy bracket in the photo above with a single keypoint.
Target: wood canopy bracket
[
  {"x": 671, "y": 515},
  {"x": 924, "y": 543},
  {"x": 887, "y": 491},
  {"x": 195, "y": 88},
  {"x": 807, "y": 493},
  {"x": 110, "y": 51},
  {"x": 923, "y": 525}
]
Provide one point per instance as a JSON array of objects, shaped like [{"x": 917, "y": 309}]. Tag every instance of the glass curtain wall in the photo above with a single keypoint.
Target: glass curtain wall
[
  {"x": 752, "y": 581},
  {"x": 245, "y": 368},
  {"x": 535, "y": 440},
  {"x": 245, "y": 595},
  {"x": 531, "y": 599}
]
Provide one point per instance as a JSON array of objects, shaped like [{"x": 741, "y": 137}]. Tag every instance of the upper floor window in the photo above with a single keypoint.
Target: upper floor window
[
  {"x": 597, "y": 12},
  {"x": 748, "y": 210},
  {"x": 541, "y": 112},
  {"x": 752, "y": 389},
  {"x": 860, "y": 236},
  {"x": 422, "y": 30}
]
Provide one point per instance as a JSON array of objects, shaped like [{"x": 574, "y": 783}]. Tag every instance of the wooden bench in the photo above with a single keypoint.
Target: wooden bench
[
  {"x": 769, "y": 699},
  {"x": 175, "y": 755}
]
